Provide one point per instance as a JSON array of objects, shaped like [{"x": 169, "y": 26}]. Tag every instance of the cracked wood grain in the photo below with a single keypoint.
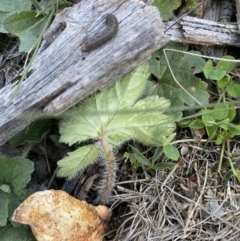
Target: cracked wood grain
[{"x": 62, "y": 74}]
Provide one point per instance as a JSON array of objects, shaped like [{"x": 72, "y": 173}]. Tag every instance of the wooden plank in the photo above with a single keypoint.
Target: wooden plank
[
  {"x": 238, "y": 13},
  {"x": 62, "y": 74},
  {"x": 204, "y": 32}
]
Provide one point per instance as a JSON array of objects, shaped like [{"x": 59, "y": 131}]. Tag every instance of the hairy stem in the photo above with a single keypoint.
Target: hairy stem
[{"x": 109, "y": 173}]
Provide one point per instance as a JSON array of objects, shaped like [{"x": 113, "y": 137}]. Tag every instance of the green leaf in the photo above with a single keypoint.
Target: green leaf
[
  {"x": 225, "y": 65},
  {"x": 217, "y": 74},
  {"x": 114, "y": 116},
  {"x": 3, "y": 208},
  {"x": 140, "y": 157},
  {"x": 234, "y": 90},
  {"x": 224, "y": 81},
  {"x": 131, "y": 157},
  {"x": 212, "y": 131},
  {"x": 234, "y": 129},
  {"x": 17, "y": 172},
  {"x": 171, "y": 152},
  {"x": 219, "y": 139},
  {"x": 148, "y": 127},
  {"x": 184, "y": 123},
  {"x": 10, "y": 233},
  {"x": 27, "y": 26},
  {"x": 207, "y": 117},
  {"x": 208, "y": 68},
  {"x": 93, "y": 115},
  {"x": 14, "y": 6},
  {"x": 29, "y": 38},
  {"x": 231, "y": 112},
  {"x": 5, "y": 188},
  {"x": 121, "y": 119},
  {"x": 11, "y": 6},
  {"x": 33, "y": 133},
  {"x": 184, "y": 67},
  {"x": 224, "y": 121},
  {"x": 13, "y": 202},
  {"x": 168, "y": 139},
  {"x": 157, "y": 153},
  {"x": 21, "y": 22},
  {"x": 8, "y": 203},
  {"x": 196, "y": 124},
  {"x": 150, "y": 89},
  {"x": 166, "y": 8},
  {"x": 78, "y": 160},
  {"x": 220, "y": 112}
]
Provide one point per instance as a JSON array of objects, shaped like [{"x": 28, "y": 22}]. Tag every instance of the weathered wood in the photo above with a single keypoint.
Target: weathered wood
[
  {"x": 62, "y": 75},
  {"x": 203, "y": 32},
  {"x": 217, "y": 11},
  {"x": 238, "y": 12}
]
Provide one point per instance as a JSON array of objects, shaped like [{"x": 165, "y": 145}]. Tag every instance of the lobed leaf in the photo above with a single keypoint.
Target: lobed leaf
[
  {"x": 146, "y": 124},
  {"x": 183, "y": 69},
  {"x": 78, "y": 160},
  {"x": 91, "y": 118},
  {"x": 115, "y": 116},
  {"x": 17, "y": 172}
]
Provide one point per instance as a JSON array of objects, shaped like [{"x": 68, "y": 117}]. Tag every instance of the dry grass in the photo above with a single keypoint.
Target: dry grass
[{"x": 190, "y": 202}]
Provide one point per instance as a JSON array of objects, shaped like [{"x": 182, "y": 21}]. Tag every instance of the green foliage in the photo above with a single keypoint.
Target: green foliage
[
  {"x": 28, "y": 19},
  {"x": 19, "y": 23},
  {"x": 27, "y": 26},
  {"x": 78, "y": 160},
  {"x": 220, "y": 74},
  {"x": 146, "y": 161},
  {"x": 113, "y": 117},
  {"x": 166, "y": 8},
  {"x": 171, "y": 152},
  {"x": 222, "y": 68},
  {"x": 19, "y": 19},
  {"x": 217, "y": 122},
  {"x": 188, "y": 86},
  {"x": 16, "y": 174},
  {"x": 11, "y": 233},
  {"x": 33, "y": 133},
  {"x": 189, "y": 4},
  {"x": 9, "y": 7}
]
